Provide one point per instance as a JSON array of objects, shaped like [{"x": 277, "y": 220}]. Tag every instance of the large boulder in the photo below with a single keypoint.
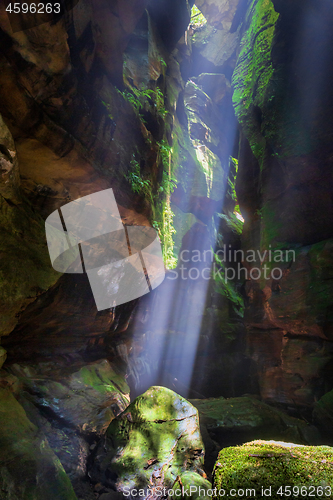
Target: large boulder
[
  {"x": 274, "y": 469},
  {"x": 85, "y": 398},
  {"x": 156, "y": 442},
  {"x": 28, "y": 467},
  {"x": 72, "y": 406}
]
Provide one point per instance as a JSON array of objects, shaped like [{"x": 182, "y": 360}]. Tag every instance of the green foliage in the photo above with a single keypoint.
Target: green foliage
[
  {"x": 232, "y": 179},
  {"x": 227, "y": 289},
  {"x": 254, "y": 70},
  {"x": 159, "y": 201},
  {"x": 139, "y": 185},
  {"x": 233, "y": 221},
  {"x": 164, "y": 151},
  {"x": 164, "y": 214},
  {"x": 167, "y": 231},
  {"x": 197, "y": 18},
  {"x": 162, "y": 61},
  {"x": 139, "y": 98}
]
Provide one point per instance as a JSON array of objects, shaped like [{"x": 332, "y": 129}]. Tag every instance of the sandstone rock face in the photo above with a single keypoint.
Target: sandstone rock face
[
  {"x": 284, "y": 191},
  {"x": 203, "y": 124},
  {"x": 207, "y": 42},
  {"x": 215, "y": 43},
  {"x": 28, "y": 467},
  {"x": 19, "y": 282},
  {"x": 275, "y": 464},
  {"x": 218, "y": 12},
  {"x": 65, "y": 130},
  {"x": 152, "y": 443}
]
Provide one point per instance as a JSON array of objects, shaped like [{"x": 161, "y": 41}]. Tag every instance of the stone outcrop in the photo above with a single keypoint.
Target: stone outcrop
[
  {"x": 284, "y": 191},
  {"x": 28, "y": 466},
  {"x": 227, "y": 422}
]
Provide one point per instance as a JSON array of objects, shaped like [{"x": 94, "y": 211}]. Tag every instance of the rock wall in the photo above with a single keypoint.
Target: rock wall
[{"x": 284, "y": 187}]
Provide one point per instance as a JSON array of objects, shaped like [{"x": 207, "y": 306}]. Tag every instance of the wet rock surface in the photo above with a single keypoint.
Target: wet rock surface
[
  {"x": 28, "y": 466},
  {"x": 72, "y": 406}
]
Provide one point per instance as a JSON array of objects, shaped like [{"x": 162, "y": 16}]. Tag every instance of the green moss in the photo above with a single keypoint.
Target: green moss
[
  {"x": 254, "y": 71},
  {"x": 271, "y": 225},
  {"x": 28, "y": 272},
  {"x": 138, "y": 184},
  {"x": 278, "y": 465},
  {"x": 197, "y": 17},
  {"x": 227, "y": 288},
  {"x": 101, "y": 378}
]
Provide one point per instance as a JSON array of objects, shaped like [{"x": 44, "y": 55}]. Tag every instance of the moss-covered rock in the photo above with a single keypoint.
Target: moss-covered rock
[
  {"x": 254, "y": 71},
  {"x": 155, "y": 441},
  {"x": 86, "y": 399},
  {"x": 29, "y": 470},
  {"x": 282, "y": 469}
]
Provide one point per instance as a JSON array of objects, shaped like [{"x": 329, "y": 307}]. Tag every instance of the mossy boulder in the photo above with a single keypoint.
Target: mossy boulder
[
  {"x": 29, "y": 470},
  {"x": 85, "y": 398},
  {"x": 284, "y": 469},
  {"x": 153, "y": 443}
]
